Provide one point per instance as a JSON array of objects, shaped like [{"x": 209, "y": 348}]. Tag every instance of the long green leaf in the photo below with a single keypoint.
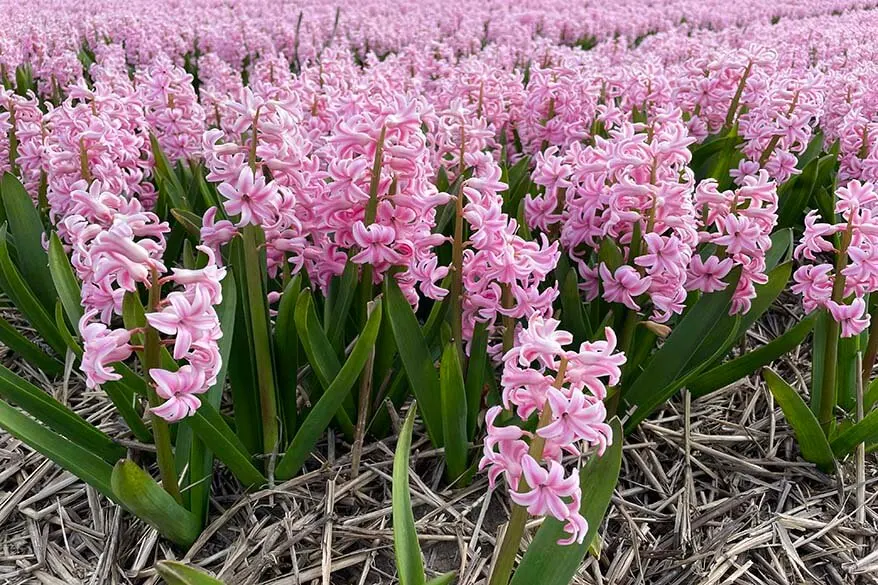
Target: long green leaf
[
  {"x": 169, "y": 182},
  {"x": 865, "y": 431},
  {"x": 740, "y": 367},
  {"x": 767, "y": 293},
  {"x": 201, "y": 452},
  {"x": 321, "y": 355},
  {"x": 547, "y": 563},
  {"x": 445, "y": 579},
  {"x": 338, "y": 304},
  {"x": 409, "y": 564},
  {"x": 665, "y": 372},
  {"x": 56, "y": 416},
  {"x": 138, "y": 492},
  {"x": 27, "y": 229},
  {"x": 572, "y": 314},
  {"x": 815, "y": 448},
  {"x": 18, "y": 343},
  {"x": 315, "y": 423},
  {"x": 177, "y": 573},
  {"x": 65, "y": 280},
  {"x": 16, "y": 288},
  {"x": 210, "y": 427},
  {"x": 416, "y": 359},
  {"x": 475, "y": 376},
  {"x": 78, "y": 460},
  {"x": 454, "y": 415},
  {"x": 286, "y": 355}
]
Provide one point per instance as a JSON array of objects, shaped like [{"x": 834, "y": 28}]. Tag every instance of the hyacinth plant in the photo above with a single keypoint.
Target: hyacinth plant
[
  {"x": 241, "y": 256},
  {"x": 837, "y": 284}
]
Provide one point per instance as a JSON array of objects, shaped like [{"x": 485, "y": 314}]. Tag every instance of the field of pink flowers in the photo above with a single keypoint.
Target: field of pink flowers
[{"x": 526, "y": 225}]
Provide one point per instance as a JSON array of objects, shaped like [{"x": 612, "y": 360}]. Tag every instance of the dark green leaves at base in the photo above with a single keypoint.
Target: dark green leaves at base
[
  {"x": 321, "y": 414},
  {"x": 175, "y": 573},
  {"x": 454, "y": 409},
  {"x": 409, "y": 563},
  {"x": 547, "y": 563},
  {"x": 815, "y": 448},
  {"x": 416, "y": 358},
  {"x": 139, "y": 493}
]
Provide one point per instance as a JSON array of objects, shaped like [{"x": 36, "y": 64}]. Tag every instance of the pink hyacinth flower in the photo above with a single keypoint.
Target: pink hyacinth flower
[
  {"x": 850, "y": 317},
  {"x": 178, "y": 389}
]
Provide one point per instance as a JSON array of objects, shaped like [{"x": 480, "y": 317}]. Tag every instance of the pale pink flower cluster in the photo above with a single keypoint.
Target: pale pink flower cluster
[
  {"x": 634, "y": 189},
  {"x": 565, "y": 389},
  {"x": 189, "y": 315},
  {"x": 21, "y": 122},
  {"x": 739, "y": 223},
  {"x": 97, "y": 134},
  {"x": 405, "y": 199},
  {"x": 171, "y": 109},
  {"x": 261, "y": 194},
  {"x": 497, "y": 258},
  {"x": 781, "y": 112},
  {"x": 852, "y": 242},
  {"x": 117, "y": 247}
]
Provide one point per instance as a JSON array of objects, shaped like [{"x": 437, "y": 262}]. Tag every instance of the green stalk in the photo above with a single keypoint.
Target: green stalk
[
  {"x": 160, "y": 430},
  {"x": 518, "y": 519},
  {"x": 871, "y": 347},
  {"x": 627, "y": 338},
  {"x": 367, "y": 291},
  {"x": 260, "y": 338},
  {"x": 828, "y": 390},
  {"x": 733, "y": 108}
]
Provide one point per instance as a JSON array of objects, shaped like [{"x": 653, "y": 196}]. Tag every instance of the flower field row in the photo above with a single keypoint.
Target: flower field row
[{"x": 248, "y": 223}]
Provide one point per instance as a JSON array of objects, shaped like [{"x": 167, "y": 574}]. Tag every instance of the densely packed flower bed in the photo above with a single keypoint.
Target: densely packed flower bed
[{"x": 248, "y": 222}]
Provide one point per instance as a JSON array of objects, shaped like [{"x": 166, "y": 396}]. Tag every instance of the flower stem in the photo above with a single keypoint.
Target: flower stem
[
  {"x": 871, "y": 347},
  {"x": 161, "y": 432},
  {"x": 828, "y": 390},
  {"x": 518, "y": 519}
]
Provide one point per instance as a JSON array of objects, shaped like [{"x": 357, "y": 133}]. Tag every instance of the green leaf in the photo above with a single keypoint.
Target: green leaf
[
  {"x": 209, "y": 426},
  {"x": 409, "y": 564},
  {"x": 668, "y": 368},
  {"x": 201, "y": 452},
  {"x": 177, "y": 573},
  {"x": 65, "y": 280},
  {"x": 320, "y": 353},
  {"x": 445, "y": 579},
  {"x": 146, "y": 499},
  {"x": 338, "y": 305},
  {"x": 317, "y": 420},
  {"x": 18, "y": 343},
  {"x": 865, "y": 431},
  {"x": 56, "y": 416},
  {"x": 610, "y": 254},
  {"x": 815, "y": 448},
  {"x": 475, "y": 376},
  {"x": 170, "y": 184},
  {"x": 286, "y": 355},
  {"x": 573, "y": 316},
  {"x": 781, "y": 248},
  {"x": 78, "y": 460},
  {"x": 818, "y": 357},
  {"x": 744, "y": 365},
  {"x": 454, "y": 403},
  {"x": 16, "y": 288},
  {"x": 27, "y": 229},
  {"x": 191, "y": 222},
  {"x": 547, "y": 563},
  {"x": 767, "y": 293},
  {"x": 416, "y": 359}
]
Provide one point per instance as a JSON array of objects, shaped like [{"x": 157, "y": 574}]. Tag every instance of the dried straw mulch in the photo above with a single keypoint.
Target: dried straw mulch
[{"x": 728, "y": 501}]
